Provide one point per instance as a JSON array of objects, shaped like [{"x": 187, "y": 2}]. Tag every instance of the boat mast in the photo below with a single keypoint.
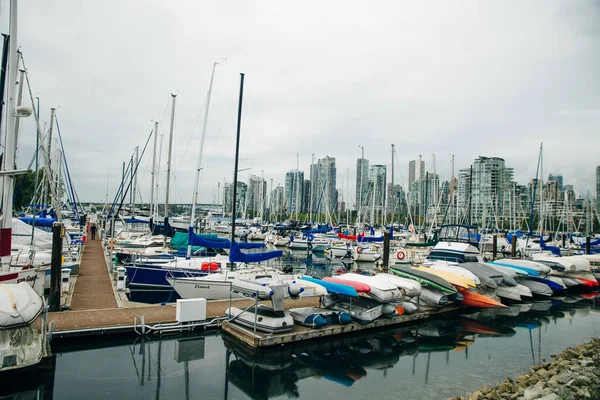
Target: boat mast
[
  {"x": 313, "y": 185},
  {"x": 153, "y": 171},
  {"x": 137, "y": 158},
  {"x": 10, "y": 144},
  {"x": 237, "y": 153},
  {"x": 392, "y": 197},
  {"x": 297, "y": 186},
  {"x": 199, "y": 166},
  {"x": 360, "y": 191},
  {"x": 166, "y": 214}
]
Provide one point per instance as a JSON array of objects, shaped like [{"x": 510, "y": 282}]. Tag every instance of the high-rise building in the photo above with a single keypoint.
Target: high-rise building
[
  {"x": 255, "y": 197},
  {"x": 276, "y": 203},
  {"x": 240, "y": 198},
  {"x": 487, "y": 192},
  {"x": 558, "y": 179},
  {"x": 326, "y": 191},
  {"x": 306, "y": 198},
  {"x": 598, "y": 185},
  {"x": 377, "y": 185},
  {"x": 362, "y": 182},
  {"x": 294, "y": 192},
  {"x": 464, "y": 194},
  {"x": 396, "y": 200}
]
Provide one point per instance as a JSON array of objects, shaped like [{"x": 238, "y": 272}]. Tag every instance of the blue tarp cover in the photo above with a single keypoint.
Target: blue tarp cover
[{"x": 236, "y": 255}]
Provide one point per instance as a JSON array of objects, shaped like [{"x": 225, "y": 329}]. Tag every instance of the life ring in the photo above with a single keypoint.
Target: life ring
[
  {"x": 400, "y": 255},
  {"x": 276, "y": 237},
  {"x": 359, "y": 249},
  {"x": 111, "y": 244}
]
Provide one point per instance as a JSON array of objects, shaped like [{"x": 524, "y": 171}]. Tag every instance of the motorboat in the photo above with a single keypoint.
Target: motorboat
[
  {"x": 364, "y": 253},
  {"x": 424, "y": 278},
  {"x": 20, "y": 305}
]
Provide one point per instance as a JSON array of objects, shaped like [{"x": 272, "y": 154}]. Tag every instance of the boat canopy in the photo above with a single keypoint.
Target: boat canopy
[
  {"x": 236, "y": 255},
  {"x": 459, "y": 233},
  {"x": 217, "y": 243}
]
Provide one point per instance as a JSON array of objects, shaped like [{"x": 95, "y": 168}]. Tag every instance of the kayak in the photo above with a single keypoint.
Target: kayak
[
  {"x": 454, "y": 279},
  {"x": 333, "y": 288},
  {"x": 424, "y": 278},
  {"x": 359, "y": 286},
  {"x": 473, "y": 299}
]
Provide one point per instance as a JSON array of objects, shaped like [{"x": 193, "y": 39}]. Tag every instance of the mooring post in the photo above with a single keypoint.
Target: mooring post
[
  {"x": 564, "y": 240},
  {"x": 56, "y": 265},
  {"x": 513, "y": 246},
  {"x": 386, "y": 251},
  {"x": 494, "y": 246},
  {"x": 588, "y": 243}
]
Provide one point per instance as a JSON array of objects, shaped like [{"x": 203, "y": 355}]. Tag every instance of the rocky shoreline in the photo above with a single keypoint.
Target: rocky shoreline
[{"x": 574, "y": 374}]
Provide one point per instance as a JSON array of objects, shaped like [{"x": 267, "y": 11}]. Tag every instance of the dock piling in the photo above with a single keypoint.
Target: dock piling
[
  {"x": 513, "y": 246},
  {"x": 386, "y": 250},
  {"x": 56, "y": 266},
  {"x": 494, "y": 246}
]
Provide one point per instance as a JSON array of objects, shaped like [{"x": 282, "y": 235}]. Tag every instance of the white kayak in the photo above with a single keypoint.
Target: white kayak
[
  {"x": 410, "y": 287},
  {"x": 20, "y": 305},
  {"x": 540, "y": 268}
]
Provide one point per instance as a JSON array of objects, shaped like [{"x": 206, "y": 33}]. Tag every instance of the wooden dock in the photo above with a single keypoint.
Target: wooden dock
[{"x": 302, "y": 333}]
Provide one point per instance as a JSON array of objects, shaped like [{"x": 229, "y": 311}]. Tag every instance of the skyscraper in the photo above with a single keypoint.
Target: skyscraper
[
  {"x": 294, "y": 191},
  {"x": 598, "y": 186},
  {"x": 228, "y": 196},
  {"x": 255, "y": 197},
  {"x": 326, "y": 185},
  {"x": 362, "y": 182},
  {"x": 558, "y": 178}
]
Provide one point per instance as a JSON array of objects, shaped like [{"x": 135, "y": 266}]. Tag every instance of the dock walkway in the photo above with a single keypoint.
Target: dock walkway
[{"x": 93, "y": 290}]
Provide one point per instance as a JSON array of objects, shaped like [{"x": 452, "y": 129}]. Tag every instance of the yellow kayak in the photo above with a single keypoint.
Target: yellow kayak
[{"x": 454, "y": 279}]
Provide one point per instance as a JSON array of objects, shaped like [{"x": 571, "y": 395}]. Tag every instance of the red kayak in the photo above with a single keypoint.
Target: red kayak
[
  {"x": 590, "y": 295},
  {"x": 473, "y": 299},
  {"x": 359, "y": 286}
]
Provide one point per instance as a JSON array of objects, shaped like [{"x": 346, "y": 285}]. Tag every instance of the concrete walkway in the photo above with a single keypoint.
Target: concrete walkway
[{"x": 93, "y": 290}]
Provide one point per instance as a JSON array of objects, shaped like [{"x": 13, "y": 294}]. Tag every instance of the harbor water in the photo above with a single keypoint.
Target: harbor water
[{"x": 432, "y": 360}]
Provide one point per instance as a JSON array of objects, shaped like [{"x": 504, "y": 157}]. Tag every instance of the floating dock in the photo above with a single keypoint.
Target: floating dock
[{"x": 302, "y": 333}]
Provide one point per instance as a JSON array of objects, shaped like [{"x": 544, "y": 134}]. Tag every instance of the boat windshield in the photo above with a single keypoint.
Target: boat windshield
[{"x": 459, "y": 233}]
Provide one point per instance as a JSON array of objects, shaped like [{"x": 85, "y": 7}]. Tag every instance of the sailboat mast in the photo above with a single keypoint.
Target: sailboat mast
[
  {"x": 137, "y": 160},
  {"x": 166, "y": 214},
  {"x": 392, "y": 197},
  {"x": 237, "y": 153},
  {"x": 153, "y": 171},
  {"x": 360, "y": 191},
  {"x": 199, "y": 166},
  {"x": 10, "y": 144},
  {"x": 297, "y": 186}
]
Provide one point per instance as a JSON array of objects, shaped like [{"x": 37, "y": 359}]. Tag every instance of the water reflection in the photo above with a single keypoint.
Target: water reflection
[{"x": 436, "y": 359}]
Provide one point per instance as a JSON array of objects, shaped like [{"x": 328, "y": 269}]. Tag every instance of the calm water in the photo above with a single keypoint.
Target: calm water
[{"x": 438, "y": 359}]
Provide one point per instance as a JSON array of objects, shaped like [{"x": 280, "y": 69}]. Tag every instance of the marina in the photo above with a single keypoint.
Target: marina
[{"x": 259, "y": 226}]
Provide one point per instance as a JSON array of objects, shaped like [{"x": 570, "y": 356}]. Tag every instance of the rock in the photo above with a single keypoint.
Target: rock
[
  {"x": 546, "y": 365},
  {"x": 570, "y": 383},
  {"x": 552, "y": 396},
  {"x": 552, "y": 372},
  {"x": 586, "y": 362},
  {"x": 542, "y": 373},
  {"x": 584, "y": 393},
  {"x": 475, "y": 395},
  {"x": 536, "y": 367},
  {"x": 552, "y": 382},
  {"x": 565, "y": 377},
  {"x": 532, "y": 393}
]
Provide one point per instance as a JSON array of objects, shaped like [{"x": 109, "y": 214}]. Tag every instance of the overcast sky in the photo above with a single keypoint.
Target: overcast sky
[{"x": 469, "y": 78}]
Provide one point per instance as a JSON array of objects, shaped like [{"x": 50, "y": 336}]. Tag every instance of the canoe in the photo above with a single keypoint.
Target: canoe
[
  {"x": 571, "y": 263},
  {"x": 359, "y": 286},
  {"x": 514, "y": 272},
  {"x": 558, "y": 280},
  {"x": 551, "y": 284},
  {"x": 380, "y": 289},
  {"x": 537, "y": 288},
  {"x": 454, "y": 279},
  {"x": 410, "y": 287},
  {"x": 524, "y": 270},
  {"x": 501, "y": 277},
  {"x": 424, "y": 278},
  {"x": 477, "y": 300},
  {"x": 333, "y": 288},
  {"x": 539, "y": 267},
  {"x": 511, "y": 293}
]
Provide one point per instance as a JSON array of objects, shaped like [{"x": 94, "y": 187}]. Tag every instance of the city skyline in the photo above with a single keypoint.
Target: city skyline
[{"x": 314, "y": 87}]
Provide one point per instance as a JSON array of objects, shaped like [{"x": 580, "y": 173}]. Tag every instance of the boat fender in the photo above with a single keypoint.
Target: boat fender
[
  {"x": 295, "y": 290},
  {"x": 359, "y": 250},
  {"x": 400, "y": 255}
]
